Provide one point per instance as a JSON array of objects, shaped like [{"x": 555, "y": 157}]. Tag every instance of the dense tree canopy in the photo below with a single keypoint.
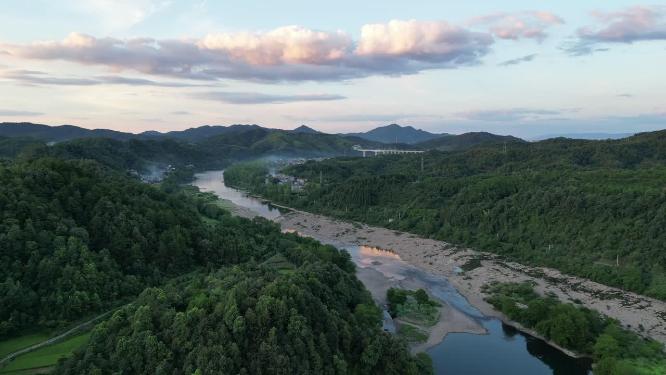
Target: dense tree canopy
[
  {"x": 249, "y": 320},
  {"x": 77, "y": 238},
  {"x": 616, "y": 350},
  {"x": 596, "y": 209}
]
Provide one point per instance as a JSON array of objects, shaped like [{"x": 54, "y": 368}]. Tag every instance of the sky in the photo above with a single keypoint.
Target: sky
[{"x": 515, "y": 67}]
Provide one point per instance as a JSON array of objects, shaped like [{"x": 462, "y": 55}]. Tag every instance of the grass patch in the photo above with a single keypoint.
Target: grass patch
[
  {"x": 471, "y": 264},
  {"x": 280, "y": 263},
  {"x": 47, "y": 356},
  {"x": 423, "y": 315},
  {"x": 412, "y": 334},
  {"x": 18, "y": 343},
  {"x": 413, "y": 306}
]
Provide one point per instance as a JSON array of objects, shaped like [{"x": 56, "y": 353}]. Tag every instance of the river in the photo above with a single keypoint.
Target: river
[{"x": 503, "y": 350}]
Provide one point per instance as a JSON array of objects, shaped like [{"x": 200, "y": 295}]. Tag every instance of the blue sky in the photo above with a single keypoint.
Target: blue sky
[{"x": 515, "y": 67}]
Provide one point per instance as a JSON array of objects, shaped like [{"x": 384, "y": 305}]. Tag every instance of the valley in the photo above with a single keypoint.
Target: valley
[
  {"x": 464, "y": 331},
  {"x": 382, "y": 269}
]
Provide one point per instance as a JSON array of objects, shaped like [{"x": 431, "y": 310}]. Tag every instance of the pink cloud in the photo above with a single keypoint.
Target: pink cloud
[
  {"x": 638, "y": 23},
  {"x": 629, "y": 25},
  {"x": 529, "y": 24},
  {"x": 284, "y": 45},
  {"x": 290, "y": 53},
  {"x": 429, "y": 41}
]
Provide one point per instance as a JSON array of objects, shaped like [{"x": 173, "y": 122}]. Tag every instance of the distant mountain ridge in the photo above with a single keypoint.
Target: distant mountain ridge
[
  {"x": 467, "y": 140},
  {"x": 201, "y": 132},
  {"x": 305, "y": 129},
  {"x": 58, "y": 133},
  {"x": 589, "y": 136},
  {"x": 395, "y": 133}
]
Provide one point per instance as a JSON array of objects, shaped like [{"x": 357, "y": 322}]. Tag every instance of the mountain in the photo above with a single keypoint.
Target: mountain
[
  {"x": 305, "y": 129},
  {"x": 395, "y": 133},
  {"x": 62, "y": 133},
  {"x": 262, "y": 142},
  {"x": 465, "y": 141},
  {"x": 596, "y": 136},
  {"x": 201, "y": 132},
  {"x": 59, "y": 133}
]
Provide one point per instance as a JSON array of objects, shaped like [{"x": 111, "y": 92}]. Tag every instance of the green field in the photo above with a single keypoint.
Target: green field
[
  {"x": 18, "y": 343},
  {"x": 45, "y": 357}
]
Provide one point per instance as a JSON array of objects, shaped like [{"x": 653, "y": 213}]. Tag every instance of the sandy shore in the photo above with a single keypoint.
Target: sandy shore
[
  {"x": 645, "y": 316},
  {"x": 450, "y": 320}
]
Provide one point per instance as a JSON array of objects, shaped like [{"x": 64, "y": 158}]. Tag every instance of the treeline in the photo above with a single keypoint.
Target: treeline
[
  {"x": 614, "y": 349},
  {"x": 246, "y": 176},
  {"x": 77, "y": 238},
  {"x": 595, "y": 209}
]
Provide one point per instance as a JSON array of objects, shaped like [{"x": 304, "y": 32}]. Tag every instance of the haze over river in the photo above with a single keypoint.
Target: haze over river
[{"x": 502, "y": 350}]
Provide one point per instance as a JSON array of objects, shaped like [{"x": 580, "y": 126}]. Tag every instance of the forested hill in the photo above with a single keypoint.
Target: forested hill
[
  {"x": 253, "y": 143},
  {"x": 211, "y": 147},
  {"x": 395, "y": 133},
  {"x": 59, "y": 133},
  {"x": 596, "y": 209},
  {"x": 220, "y": 294},
  {"x": 464, "y": 141}
]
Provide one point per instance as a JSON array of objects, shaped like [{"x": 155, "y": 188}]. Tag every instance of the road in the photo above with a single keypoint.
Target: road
[{"x": 51, "y": 340}]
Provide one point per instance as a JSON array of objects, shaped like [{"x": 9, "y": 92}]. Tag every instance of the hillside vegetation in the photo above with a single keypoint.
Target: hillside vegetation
[
  {"x": 595, "y": 209},
  {"x": 614, "y": 349},
  {"x": 218, "y": 294},
  {"x": 466, "y": 141}
]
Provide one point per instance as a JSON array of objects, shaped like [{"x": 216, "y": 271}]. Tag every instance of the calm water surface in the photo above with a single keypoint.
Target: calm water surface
[{"x": 504, "y": 350}]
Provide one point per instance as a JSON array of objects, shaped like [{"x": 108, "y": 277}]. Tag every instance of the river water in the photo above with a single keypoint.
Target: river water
[{"x": 503, "y": 350}]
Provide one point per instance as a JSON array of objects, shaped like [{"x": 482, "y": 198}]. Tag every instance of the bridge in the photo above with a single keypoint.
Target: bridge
[{"x": 384, "y": 151}]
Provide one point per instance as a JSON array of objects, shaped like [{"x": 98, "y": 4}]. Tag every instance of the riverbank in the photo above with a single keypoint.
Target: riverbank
[
  {"x": 643, "y": 315},
  {"x": 450, "y": 320}
]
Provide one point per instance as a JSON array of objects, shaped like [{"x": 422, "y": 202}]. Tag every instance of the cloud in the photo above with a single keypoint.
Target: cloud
[
  {"x": 142, "y": 82},
  {"x": 289, "y": 53},
  {"x": 361, "y": 117},
  {"x": 434, "y": 42},
  {"x": 634, "y": 24},
  {"x": 514, "y": 26},
  {"x": 284, "y": 45},
  {"x": 518, "y": 60},
  {"x": 11, "y": 112},
  {"x": 259, "y": 98},
  {"x": 32, "y": 77},
  {"x": 513, "y": 114}
]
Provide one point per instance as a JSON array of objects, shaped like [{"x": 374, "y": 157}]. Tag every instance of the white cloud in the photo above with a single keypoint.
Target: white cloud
[
  {"x": 435, "y": 41},
  {"x": 289, "y": 53},
  {"x": 284, "y": 45},
  {"x": 529, "y": 24}
]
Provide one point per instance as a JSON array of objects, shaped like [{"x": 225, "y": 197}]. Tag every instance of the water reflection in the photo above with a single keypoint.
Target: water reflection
[{"x": 213, "y": 181}]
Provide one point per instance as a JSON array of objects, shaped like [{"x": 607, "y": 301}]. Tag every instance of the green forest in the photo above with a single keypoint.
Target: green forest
[
  {"x": 594, "y": 209},
  {"x": 216, "y": 293},
  {"x": 614, "y": 349}
]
